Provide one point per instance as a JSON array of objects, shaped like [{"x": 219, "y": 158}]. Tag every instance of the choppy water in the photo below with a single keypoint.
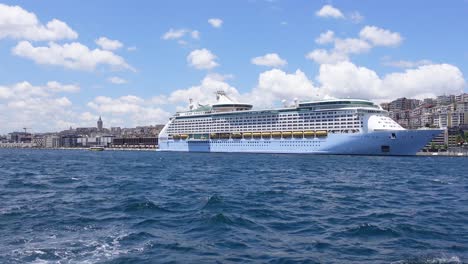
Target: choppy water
[{"x": 147, "y": 207}]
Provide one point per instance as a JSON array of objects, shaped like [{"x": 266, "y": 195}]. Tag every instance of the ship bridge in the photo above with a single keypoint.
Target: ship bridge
[
  {"x": 226, "y": 104},
  {"x": 339, "y": 103}
]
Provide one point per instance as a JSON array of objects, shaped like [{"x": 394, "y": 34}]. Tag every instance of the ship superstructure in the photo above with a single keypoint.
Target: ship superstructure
[{"x": 339, "y": 126}]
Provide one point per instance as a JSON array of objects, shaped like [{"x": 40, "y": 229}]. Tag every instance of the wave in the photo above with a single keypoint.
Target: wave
[
  {"x": 213, "y": 202},
  {"x": 143, "y": 206},
  {"x": 370, "y": 230},
  {"x": 431, "y": 260}
]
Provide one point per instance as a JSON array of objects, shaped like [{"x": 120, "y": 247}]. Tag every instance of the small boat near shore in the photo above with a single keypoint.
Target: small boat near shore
[{"x": 96, "y": 149}]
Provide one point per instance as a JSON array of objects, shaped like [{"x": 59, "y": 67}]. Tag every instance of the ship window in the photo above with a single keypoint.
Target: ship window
[{"x": 385, "y": 148}]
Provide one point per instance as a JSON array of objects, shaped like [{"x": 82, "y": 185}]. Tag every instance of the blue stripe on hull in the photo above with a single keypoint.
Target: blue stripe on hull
[{"x": 405, "y": 142}]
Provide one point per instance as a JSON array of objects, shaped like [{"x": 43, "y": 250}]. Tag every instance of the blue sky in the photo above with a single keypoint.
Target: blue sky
[{"x": 376, "y": 50}]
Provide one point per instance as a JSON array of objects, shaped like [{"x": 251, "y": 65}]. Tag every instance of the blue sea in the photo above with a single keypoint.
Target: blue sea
[{"x": 72, "y": 206}]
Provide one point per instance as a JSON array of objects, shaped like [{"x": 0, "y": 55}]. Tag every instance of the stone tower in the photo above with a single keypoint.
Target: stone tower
[{"x": 99, "y": 124}]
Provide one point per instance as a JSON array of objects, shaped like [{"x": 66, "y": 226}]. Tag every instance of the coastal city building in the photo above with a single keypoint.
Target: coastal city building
[
  {"x": 449, "y": 112},
  {"x": 86, "y": 137}
]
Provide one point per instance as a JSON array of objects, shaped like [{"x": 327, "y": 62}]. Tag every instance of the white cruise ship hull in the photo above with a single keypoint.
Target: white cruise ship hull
[{"x": 398, "y": 142}]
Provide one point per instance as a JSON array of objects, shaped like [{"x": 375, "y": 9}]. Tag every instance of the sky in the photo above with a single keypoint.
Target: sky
[{"x": 65, "y": 63}]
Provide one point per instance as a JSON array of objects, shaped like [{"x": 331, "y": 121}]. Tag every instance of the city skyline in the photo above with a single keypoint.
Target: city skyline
[{"x": 137, "y": 64}]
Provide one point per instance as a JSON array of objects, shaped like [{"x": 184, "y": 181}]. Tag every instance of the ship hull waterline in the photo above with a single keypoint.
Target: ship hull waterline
[{"x": 381, "y": 143}]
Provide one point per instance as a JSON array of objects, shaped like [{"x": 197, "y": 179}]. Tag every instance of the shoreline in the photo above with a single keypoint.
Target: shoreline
[
  {"x": 106, "y": 149},
  {"x": 420, "y": 154}
]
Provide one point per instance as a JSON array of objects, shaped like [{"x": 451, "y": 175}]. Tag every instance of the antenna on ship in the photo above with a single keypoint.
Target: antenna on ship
[{"x": 190, "y": 103}]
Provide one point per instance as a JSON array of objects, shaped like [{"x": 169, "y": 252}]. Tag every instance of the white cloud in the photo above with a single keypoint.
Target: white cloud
[
  {"x": 322, "y": 56},
  {"x": 272, "y": 87},
  {"x": 215, "y": 22},
  {"x": 275, "y": 85},
  {"x": 329, "y": 11},
  {"x": 116, "y": 80},
  {"x": 195, "y": 34},
  {"x": 405, "y": 63},
  {"x": 88, "y": 116},
  {"x": 270, "y": 59},
  {"x": 345, "y": 79},
  {"x": 39, "y": 107},
  {"x": 58, "y": 87},
  {"x": 370, "y": 36},
  {"x": 174, "y": 34},
  {"x": 356, "y": 17},
  {"x": 204, "y": 92},
  {"x": 73, "y": 56},
  {"x": 121, "y": 105},
  {"x": 425, "y": 81},
  {"x": 108, "y": 44},
  {"x": 180, "y": 33},
  {"x": 380, "y": 37},
  {"x": 351, "y": 46},
  {"x": 17, "y": 23},
  {"x": 202, "y": 59},
  {"x": 130, "y": 109},
  {"x": 326, "y": 37},
  {"x": 25, "y": 89}
]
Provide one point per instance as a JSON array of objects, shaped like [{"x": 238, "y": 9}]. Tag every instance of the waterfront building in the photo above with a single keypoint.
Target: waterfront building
[
  {"x": 39, "y": 141},
  {"x": 137, "y": 142},
  {"x": 52, "y": 141},
  {"x": 443, "y": 111},
  {"x": 69, "y": 141},
  {"x": 105, "y": 140},
  {"x": 85, "y": 130},
  {"x": 452, "y": 136},
  {"x": 403, "y": 103},
  {"x": 19, "y": 137},
  {"x": 116, "y": 131},
  {"x": 445, "y": 99},
  {"x": 93, "y": 141},
  {"x": 429, "y": 101},
  {"x": 461, "y": 98}
]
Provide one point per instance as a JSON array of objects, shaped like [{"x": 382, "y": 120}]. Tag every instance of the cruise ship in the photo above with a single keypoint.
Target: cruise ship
[{"x": 338, "y": 126}]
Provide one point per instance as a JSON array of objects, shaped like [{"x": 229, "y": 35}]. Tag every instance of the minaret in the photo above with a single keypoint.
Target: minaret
[{"x": 99, "y": 124}]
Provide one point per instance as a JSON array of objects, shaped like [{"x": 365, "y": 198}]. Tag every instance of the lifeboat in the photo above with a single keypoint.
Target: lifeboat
[
  {"x": 276, "y": 134},
  {"x": 266, "y": 134},
  {"x": 224, "y": 135},
  {"x": 214, "y": 136},
  {"x": 298, "y": 134},
  {"x": 184, "y": 136},
  {"x": 257, "y": 135},
  {"x": 236, "y": 135},
  {"x": 286, "y": 134},
  {"x": 176, "y": 136},
  {"x": 247, "y": 134},
  {"x": 321, "y": 133},
  {"x": 309, "y": 134}
]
